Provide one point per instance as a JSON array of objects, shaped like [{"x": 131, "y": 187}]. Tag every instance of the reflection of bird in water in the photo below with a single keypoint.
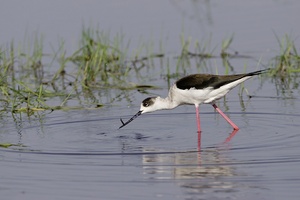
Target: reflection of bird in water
[{"x": 194, "y": 173}]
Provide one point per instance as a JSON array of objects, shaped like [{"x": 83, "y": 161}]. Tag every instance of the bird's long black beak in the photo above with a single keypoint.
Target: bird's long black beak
[{"x": 131, "y": 119}]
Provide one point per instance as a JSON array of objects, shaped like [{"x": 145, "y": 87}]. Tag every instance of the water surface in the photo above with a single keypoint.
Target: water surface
[{"x": 81, "y": 154}]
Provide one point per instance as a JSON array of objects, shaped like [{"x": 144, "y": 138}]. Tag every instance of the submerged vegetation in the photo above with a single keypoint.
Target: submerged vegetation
[
  {"x": 28, "y": 79},
  {"x": 288, "y": 61},
  {"x": 286, "y": 66}
]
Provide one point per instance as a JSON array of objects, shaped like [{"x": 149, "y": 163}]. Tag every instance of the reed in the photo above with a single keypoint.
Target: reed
[
  {"x": 102, "y": 61},
  {"x": 288, "y": 60}
]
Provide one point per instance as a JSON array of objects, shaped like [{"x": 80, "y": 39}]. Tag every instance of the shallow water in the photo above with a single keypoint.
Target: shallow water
[
  {"x": 81, "y": 154},
  {"x": 77, "y": 154}
]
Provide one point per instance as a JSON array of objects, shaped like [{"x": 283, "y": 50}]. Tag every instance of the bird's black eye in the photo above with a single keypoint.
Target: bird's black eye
[{"x": 148, "y": 102}]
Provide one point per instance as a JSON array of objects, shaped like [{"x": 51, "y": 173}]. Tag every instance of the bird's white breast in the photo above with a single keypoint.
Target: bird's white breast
[{"x": 189, "y": 96}]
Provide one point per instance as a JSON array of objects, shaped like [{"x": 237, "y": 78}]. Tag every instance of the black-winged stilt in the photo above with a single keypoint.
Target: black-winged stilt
[{"x": 195, "y": 89}]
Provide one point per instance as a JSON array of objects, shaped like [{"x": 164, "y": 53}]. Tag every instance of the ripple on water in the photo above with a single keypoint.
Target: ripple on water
[{"x": 94, "y": 151}]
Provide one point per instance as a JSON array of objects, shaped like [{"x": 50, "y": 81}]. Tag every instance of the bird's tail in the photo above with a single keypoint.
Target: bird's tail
[{"x": 258, "y": 72}]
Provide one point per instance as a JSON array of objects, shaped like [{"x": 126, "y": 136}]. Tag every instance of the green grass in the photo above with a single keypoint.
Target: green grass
[
  {"x": 288, "y": 60},
  {"x": 285, "y": 66},
  {"x": 28, "y": 83}
]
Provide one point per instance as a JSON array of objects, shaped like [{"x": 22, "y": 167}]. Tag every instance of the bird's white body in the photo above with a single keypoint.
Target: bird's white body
[{"x": 192, "y": 96}]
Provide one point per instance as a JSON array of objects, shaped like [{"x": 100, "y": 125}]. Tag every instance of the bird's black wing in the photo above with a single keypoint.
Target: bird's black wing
[
  {"x": 197, "y": 81},
  {"x": 201, "y": 81}
]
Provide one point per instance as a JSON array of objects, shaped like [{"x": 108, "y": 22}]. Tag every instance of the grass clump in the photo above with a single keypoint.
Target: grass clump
[
  {"x": 27, "y": 83},
  {"x": 98, "y": 61},
  {"x": 21, "y": 75},
  {"x": 288, "y": 61},
  {"x": 286, "y": 66}
]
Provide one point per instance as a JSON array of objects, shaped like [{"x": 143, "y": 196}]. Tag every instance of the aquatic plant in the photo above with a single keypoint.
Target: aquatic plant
[
  {"x": 30, "y": 78},
  {"x": 288, "y": 60},
  {"x": 285, "y": 66}
]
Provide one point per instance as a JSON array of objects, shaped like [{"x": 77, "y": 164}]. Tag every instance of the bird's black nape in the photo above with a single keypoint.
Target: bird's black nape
[{"x": 130, "y": 120}]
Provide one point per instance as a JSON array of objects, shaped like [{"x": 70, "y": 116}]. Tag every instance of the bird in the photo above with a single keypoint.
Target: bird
[{"x": 195, "y": 89}]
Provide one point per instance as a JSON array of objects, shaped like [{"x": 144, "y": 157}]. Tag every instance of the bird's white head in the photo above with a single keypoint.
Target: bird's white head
[
  {"x": 154, "y": 103},
  {"x": 149, "y": 105}
]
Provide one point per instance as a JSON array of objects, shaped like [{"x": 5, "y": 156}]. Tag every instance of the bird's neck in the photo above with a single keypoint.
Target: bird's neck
[{"x": 166, "y": 103}]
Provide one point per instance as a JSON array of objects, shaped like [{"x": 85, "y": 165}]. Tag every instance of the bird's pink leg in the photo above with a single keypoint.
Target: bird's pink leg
[
  {"x": 198, "y": 118},
  {"x": 235, "y": 127}
]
